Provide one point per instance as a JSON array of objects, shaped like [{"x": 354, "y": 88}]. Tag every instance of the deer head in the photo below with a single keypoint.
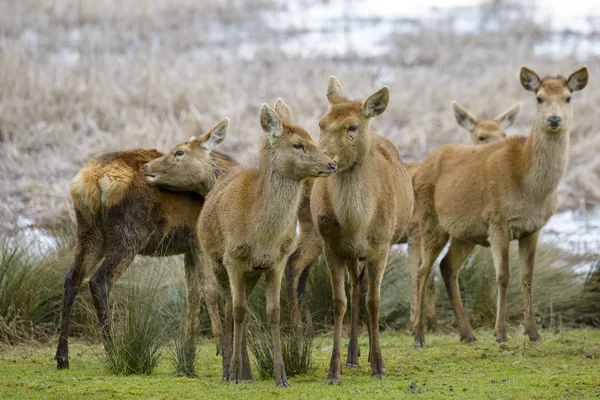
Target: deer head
[
  {"x": 188, "y": 166},
  {"x": 345, "y": 134}
]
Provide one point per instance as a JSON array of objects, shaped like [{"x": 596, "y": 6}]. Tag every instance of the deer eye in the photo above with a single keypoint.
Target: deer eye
[
  {"x": 539, "y": 100},
  {"x": 352, "y": 128},
  {"x": 568, "y": 99},
  {"x": 179, "y": 153},
  {"x": 298, "y": 146},
  {"x": 481, "y": 138}
]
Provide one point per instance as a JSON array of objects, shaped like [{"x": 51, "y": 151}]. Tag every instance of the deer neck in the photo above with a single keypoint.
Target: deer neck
[
  {"x": 547, "y": 156},
  {"x": 352, "y": 196},
  {"x": 219, "y": 164},
  {"x": 277, "y": 199}
]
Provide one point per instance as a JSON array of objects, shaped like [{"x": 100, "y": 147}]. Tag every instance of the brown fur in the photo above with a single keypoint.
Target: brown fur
[
  {"x": 493, "y": 194},
  {"x": 248, "y": 228},
  {"x": 359, "y": 213},
  {"x": 482, "y": 132},
  {"x": 118, "y": 216}
]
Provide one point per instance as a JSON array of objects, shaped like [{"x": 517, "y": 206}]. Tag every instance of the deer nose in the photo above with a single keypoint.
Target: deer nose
[
  {"x": 144, "y": 167},
  {"x": 554, "y": 121},
  {"x": 333, "y": 167}
]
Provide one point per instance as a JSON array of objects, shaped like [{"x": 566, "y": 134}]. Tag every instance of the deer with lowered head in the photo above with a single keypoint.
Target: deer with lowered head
[
  {"x": 120, "y": 215},
  {"x": 248, "y": 229},
  {"x": 359, "y": 213},
  {"x": 490, "y": 195},
  {"x": 482, "y": 132}
]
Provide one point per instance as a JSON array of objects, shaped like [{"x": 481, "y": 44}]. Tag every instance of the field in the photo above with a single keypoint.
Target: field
[
  {"x": 565, "y": 365},
  {"x": 80, "y": 78}
]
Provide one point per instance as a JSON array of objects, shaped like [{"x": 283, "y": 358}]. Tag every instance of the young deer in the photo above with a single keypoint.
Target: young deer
[
  {"x": 490, "y": 195},
  {"x": 248, "y": 228},
  {"x": 482, "y": 132},
  {"x": 310, "y": 246},
  {"x": 119, "y": 215},
  {"x": 359, "y": 213}
]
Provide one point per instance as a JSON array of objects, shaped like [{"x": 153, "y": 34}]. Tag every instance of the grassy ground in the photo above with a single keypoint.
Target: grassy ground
[{"x": 565, "y": 365}]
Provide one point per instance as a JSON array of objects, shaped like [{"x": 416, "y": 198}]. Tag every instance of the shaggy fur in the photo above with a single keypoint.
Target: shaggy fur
[{"x": 118, "y": 216}]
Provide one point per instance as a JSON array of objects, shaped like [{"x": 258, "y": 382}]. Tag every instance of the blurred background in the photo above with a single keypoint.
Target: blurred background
[{"x": 79, "y": 78}]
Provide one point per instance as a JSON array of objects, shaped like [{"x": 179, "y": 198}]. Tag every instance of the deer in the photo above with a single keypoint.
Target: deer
[
  {"x": 309, "y": 243},
  {"x": 359, "y": 213},
  {"x": 482, "y": 131},
  {"x": 248, "y": 229},
  {"x": 120, "y": 212},
  {"x": 490, "y": 195}
]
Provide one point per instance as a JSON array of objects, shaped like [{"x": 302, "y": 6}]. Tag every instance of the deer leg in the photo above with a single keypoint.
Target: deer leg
[
  {"x": 353, "y": 348},
  {"x": 104, "y": 279},
  {"x": 527, "y": 247},
  {"x": 432, "y": 243},
  {"x": 432, "y": 323},
  {"x": 273, "y": 289},
  {"x": 364, "y": 285},
  {"x": 500, "y": 243},
  {"x": 237, "y": 282},
  {"x": 297, "y": 269},
  {"x": 451, "y": 263},
  {"x": 246, "y": 368},
  {"x": 336, "y": 270},
  {"x": 414, "y": 261},
  {"x": 88, "y": 253},
  {"x": 210, "y": 292},
  {"x": 192, "y": 278},
  {"x": 375, "y": 269}
]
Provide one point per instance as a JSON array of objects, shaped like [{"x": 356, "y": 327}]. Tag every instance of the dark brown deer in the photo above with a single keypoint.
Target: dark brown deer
[
  {"x": 119, "y": 215},
  {"x": 359, "y": 213},
  {"x": 490, "y": 195},
  {"x": 248, "y": 228}
]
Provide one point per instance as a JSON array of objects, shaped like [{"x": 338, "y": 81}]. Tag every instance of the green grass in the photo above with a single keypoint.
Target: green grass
[{"x": 565, "y": 365}]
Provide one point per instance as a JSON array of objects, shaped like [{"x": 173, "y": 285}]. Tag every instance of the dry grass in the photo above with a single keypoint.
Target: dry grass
[{"x": 81, "y": 78}]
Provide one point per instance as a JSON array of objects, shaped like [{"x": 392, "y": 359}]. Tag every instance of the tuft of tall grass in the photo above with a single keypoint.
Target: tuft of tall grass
[
  {"x": 139, "y": 328},
  {"x": 296, "y": 347},
  {"x": 31, "y": 285}
]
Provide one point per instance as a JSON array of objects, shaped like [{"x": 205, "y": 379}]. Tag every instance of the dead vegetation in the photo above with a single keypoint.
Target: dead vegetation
[{"x": 80, "y": 78}]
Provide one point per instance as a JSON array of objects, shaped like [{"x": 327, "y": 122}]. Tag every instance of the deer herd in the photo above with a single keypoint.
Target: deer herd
[{"x": 353, "y": 198}]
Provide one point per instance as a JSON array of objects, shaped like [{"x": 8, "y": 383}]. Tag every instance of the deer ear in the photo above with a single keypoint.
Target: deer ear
[
  {"x": 335, "y": 93},
  {"x": 578, "y": 79},
  {"x": 283, "y": 111},
  {"x": 530, "y": 80},
  {"x": 377, "y": 102},
  {"x": 270, "y": 123},
  {"x": 509, "y": 117},
  {"x": 216, "y": 135},
  {"x": 464, "y": 117}
]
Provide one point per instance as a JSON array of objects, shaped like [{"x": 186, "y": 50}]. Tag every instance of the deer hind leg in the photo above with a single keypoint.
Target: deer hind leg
[
  {"x": 499, "y": 241},
  {"x": 87, "y": 254},
  {"x": 192, "y": 278},
  {"x": 297, "y": 269},
  {"x": 432, "y": 322},
  {"x": 527, "y": 248},
  {"x": 246, "y": 368},
  {"x": 433, "y": 241},
  {"x": 336, "y": 270},
  {"x": 414, "y": 261},
  {"x": 375, "y": 269},
  {"x": 353, "y": 348},
  {"x": 210, "y": 292},
  {"x": 237, "y": 282},
  {"x": 457, "y": 254},
  {"x": 273, "y": 290}
]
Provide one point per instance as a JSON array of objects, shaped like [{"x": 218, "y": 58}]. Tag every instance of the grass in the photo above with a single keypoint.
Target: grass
[{"x": 563, "y": 366}]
